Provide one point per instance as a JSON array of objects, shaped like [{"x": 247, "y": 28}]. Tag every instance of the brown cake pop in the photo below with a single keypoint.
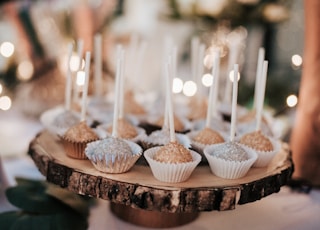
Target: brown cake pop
[
  {"x": 257, "y": 141},
  {"x": 208, "y": 136},
  {"x": 173, "y": 153},
  {"x": 76, "y": 138},
  {"x": 125, "y": 129}
]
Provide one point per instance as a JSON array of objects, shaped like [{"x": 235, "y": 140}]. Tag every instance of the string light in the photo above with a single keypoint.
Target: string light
[
  {"x": 5, "y": 103},
  {"x": 296, "y": 60},
  {"x": 189, "y": 88},
  {"x": 74, "y": 63},
  {"x": 6, "y": 49},
  {"x": 177, "y": 85},
  {"x": 231, "y": 76},
  {"x": 81, "y": 78},
  {"x": 207, "y": 80},
  {"x": 292, "y": 100},
  {"x": 25, "y": 70}
]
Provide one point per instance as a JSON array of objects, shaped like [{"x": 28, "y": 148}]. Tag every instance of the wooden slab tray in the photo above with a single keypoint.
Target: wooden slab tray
[{"x": 140, "y": 191}]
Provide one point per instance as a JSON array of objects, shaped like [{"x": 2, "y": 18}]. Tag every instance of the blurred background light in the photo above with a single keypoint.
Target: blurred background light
[
  {"x": 5, "y": 103},
  {"x": 231, "y": 75},
  {"x": 80, "y": 78},
  {"x": 177, "y": 85},
  {"x": 25, "y": 70},
  {"x": 207, "y": 80},
  {"x": 6, "y": 49},
  {"x": 292, "y": 100},
  {"x": 189, "y": 88},
  {"x": 296, "y": 60}
]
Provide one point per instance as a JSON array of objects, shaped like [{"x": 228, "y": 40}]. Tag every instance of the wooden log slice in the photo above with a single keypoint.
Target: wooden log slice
[{"x": 138, "y": 189}]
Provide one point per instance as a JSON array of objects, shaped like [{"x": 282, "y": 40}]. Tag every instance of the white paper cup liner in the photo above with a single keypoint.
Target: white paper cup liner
[
  {"x": 265, "y": 157},
  {"x": 168, "y": 172},
  {"x": 113, "y": 163},
  {"x": 228, "y": 169}
]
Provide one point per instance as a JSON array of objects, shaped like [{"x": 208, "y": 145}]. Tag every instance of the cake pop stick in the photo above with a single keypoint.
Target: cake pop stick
[
  {"x": 258, "y": 76},
  {"x": 174, "y": 62},
  {"x": 79, "y": 52},
  {"x": 232, "y": 59},
  {"x": 171, "y": 59},
  {"x": 121, "y": 85},
  {"x": 216, "y": 81},
  {"x": 213, "y": 89},
  {"x": 169, "y": 98},
  {"x": 200, "y": 65},
  {"x": 68, "y": 89},
  {"x": 173, "y": 71},
  {"x": 165, "y": 124},
  {"x": 98, "y": 65},
  {"x": 262, "y": 86},
  {"x": 79, "y": 55},
  {"x": 194, "y": 57},
  {"x": 85, "y": 87},
  {"x": 234, "y": 102},
  {"x": 117, "y": 89}
]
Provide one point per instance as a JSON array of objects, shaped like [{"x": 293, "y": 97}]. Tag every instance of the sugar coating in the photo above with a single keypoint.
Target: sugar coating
[
  {"x": 257, "y": 141},
  {"x": 208, "y": 136},
  {"x": 80, "y": 133},
  {"x": 125, "y": 129},
  {"x": 173, "y": 153},
  {"x": 112, "y": 145},
  {"x": 230, "y": 151}
]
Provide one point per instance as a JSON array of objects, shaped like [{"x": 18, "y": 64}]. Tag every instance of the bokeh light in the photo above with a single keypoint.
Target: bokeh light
[
  {"x": 5, "y": 103},
  {"x": 25, "y": 70},
  {"x": 6, "y": 49},
  {"x": 74, "y": 63},
  {"x": 177, "y": 85},
  {"x": 296, "y": 60},
  {"x": 207, "y": 80},
  {"x": 189, "y": 88},
  {"x": 81, "y": 76},
  {"x": 292, "y": 100},
  {"x": 231, "y": 75}
]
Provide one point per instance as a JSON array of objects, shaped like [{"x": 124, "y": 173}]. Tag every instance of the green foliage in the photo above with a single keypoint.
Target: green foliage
[{"x": 44, "y": 206}]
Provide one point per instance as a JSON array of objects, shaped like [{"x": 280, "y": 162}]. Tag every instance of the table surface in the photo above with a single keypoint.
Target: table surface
[{"x": 284, "y": 210}]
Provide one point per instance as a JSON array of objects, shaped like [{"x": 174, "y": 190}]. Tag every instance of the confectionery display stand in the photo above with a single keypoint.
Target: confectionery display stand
[{"x": 137, "y": 197}]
